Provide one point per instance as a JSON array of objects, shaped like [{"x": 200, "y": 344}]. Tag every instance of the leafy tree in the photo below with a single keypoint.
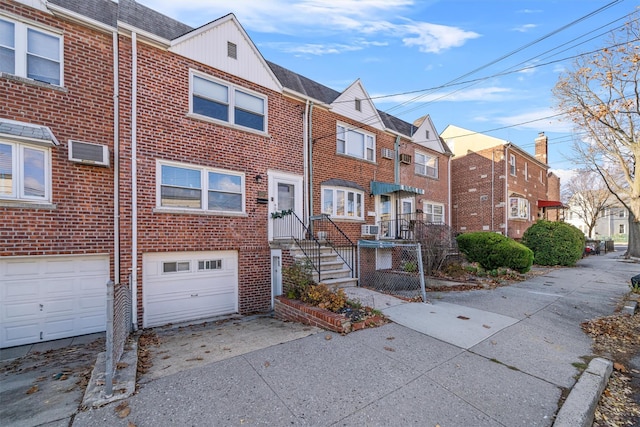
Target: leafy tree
[
  {"x": 601, "y": 95},
  {"x": 588, "y": 198}
]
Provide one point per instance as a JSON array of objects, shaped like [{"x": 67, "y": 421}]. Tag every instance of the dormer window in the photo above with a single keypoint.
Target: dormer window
[
  {"x": 358, "y": 105},
  {"x": 232, "y": 50}
]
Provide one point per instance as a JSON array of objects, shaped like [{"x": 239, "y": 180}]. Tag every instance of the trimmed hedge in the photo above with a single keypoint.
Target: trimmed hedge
[
  {"x": 554, "y": 243},
  {"x": 493, "y": 250}
]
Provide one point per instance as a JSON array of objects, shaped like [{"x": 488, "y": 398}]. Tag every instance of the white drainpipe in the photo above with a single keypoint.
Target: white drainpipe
[
  {"x": 506, "y": 190},
  {"x": 134, "y": 180},
  {"x": 116, "y": 163},
  {"x": 305, "y": 159}
]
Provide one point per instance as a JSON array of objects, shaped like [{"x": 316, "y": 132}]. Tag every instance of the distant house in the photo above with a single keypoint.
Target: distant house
[
  {"x": 498, "y": 186},
  {"x": 612, "y": 223}
]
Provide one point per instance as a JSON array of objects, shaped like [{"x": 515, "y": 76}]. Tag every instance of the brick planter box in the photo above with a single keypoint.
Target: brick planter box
[{"x": 297, "y": 311}]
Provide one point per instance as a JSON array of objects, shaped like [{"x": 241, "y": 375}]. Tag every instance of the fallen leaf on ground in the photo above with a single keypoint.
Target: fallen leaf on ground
[
  {"x": 33, "y": 389},
  {"x": 194, "y": 359},
  {"x": 486, "y": 326},
  {"x": 327, "y": 337},
  {"x": 121, "y": 365},
  {"x": 620, "y": 367},
  {"x": 463, "y": 317},
  {"x": 267, "y": 364},
  {"x": 391, "y": 338},
  {"x": 130, "y": 424},
  {"x": 124, "y": 413},
  {"x": 389, "y": 348}
]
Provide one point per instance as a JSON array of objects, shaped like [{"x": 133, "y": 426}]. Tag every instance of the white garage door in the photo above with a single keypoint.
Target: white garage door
[
  {"x": 51, "y": 297},
  {"x": 184, "y": 286}
]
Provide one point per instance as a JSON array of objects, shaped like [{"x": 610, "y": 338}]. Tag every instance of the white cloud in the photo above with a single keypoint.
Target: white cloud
[
  {"x": 433, "y": 38},
  {"x": 525, "y": 28},
  {"x": 565, "y": 175},
  {"x": 545, "y": 118},
  {"x": 330, "y": 18}
]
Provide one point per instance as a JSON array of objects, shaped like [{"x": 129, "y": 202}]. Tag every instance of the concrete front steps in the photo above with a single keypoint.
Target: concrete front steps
[{"x": 333, "y": 270}]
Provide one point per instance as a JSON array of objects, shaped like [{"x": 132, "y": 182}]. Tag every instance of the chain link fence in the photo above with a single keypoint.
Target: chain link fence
[
  {"x": 392, "y": 268},
  {"x": 118, "y": 328}
]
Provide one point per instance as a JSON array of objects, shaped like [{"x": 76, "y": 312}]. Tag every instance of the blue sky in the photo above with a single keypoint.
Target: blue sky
[{"x": 503, "y": 57}]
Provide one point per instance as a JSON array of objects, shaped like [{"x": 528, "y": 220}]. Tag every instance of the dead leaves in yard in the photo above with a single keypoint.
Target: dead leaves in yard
[{"x": 616, "y": 337}]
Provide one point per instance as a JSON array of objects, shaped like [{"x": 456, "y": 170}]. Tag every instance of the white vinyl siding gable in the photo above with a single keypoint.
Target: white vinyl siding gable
[
  {"x": 30, "y": 52},
  {"x": 228, "y": 104}
]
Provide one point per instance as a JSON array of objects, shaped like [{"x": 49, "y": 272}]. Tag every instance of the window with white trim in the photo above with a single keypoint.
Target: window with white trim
[
  {"x": 25, "y": 172},
  {"x": 512, "y": 164},
  {"x": 355, "y": 143},
  {"x": 426, "y": 165},
  {"x": 518, "y": 208},
  {"x": 346, "y": 203},
  {"x": 176, "y": 266},
  {"x": 30, "y": 52},
  {"x": 209, "y": 264},
  {"x": 224, "y": 102},
  {"x": 434, "y": 212},
  {"x": 199, "y": 188}
]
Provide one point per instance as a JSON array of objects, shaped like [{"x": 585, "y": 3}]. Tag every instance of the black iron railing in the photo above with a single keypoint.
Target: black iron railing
[
  {"x": 288, "y": 226},
  {"x": 329, "y": 234}
]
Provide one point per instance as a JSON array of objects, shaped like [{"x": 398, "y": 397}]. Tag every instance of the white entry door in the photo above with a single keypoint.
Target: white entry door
[{"x": 285, "y": 193}]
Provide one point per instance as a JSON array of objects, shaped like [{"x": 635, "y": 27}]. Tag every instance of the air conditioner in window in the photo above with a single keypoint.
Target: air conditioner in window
[
  {"x": 87, "y": 153},
  {"x": 405, "y": 158},
  {"x": 370, "y": 230},
  {"x": 387, "y": 153}
]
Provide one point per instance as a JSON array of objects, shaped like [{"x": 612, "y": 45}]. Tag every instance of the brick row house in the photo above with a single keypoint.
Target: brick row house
[
  {"x": 497, "y": 186},
  {"x": 163, "y": 157}
]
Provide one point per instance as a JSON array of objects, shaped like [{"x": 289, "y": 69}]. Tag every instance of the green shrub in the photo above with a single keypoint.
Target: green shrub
[
  {"x": 493, "y": 250},
  {"x": 554, "y": 243},
  {"x": 297, "y": 278}
]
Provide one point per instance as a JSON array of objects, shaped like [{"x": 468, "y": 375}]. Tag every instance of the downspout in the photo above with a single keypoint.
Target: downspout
[
  {"x": 310, "y": 144},
  {"x": 493, "y": 178},
  {"x": 396, "y": 163},
  {"x": 506, "y": 190},
  {"x": 134, "y": 180},
  {"x": 449, "y": 187},
  {"x": 116, "y": 162},
  {"x": 305, "y": 161}
]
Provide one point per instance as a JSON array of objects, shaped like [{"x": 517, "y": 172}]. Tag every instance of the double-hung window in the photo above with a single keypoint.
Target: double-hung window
[
  {"x": 222, "y": 101},
  {"x": 30, "y": 52},
  {"x": 355, "y": 143},
  {"x": 345, "y": 203},
  {"x": 199, "y": 188},
  {"x": 512, "y": 164},
  {"x": 24, "y": 172},
  {"x": 434, "y": 213},
  {"x": 518, "y": 208},
  {"x": 426, "y": 165}
]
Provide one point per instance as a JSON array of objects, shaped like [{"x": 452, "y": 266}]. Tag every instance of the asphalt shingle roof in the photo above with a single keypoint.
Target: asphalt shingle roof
[{"x": 139, "y": 16}]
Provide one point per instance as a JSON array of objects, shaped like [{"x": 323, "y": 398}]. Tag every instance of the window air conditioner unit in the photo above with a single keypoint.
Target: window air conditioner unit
[
  {"x": 388, "y": 153},
  {"x": 370, "y": 230},
  {"x": 405, "y": 158},
  {"x": 90, "y": 154}
]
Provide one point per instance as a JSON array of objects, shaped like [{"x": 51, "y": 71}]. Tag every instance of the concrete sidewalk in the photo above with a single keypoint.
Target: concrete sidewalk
[{"x": 501, "y": 357}]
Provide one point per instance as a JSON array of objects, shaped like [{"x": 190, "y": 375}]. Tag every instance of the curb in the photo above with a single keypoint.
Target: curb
[
  {"x": 124, "y": 381},
  {"x": 579, "y": 408}
]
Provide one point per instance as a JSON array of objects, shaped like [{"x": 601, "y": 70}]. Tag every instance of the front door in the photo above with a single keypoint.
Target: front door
[
  {"x": 285, "y": 194},
  {"x": 387, "y": 210}
]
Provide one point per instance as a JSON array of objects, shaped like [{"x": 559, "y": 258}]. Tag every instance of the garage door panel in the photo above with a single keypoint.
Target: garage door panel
[
  {"x": 20, "y": 333},
  {"x": 23, "y": 267},
  {"x": 59, "y": 266},
  {"x": 15, "y": 312},
  {"x": 14, "y": 290},
  {"x": 56, "y": 288},
  {"x": 60, "y": 327}
]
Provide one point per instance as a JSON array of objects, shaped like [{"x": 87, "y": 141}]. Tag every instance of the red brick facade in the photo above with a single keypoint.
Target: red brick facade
[{"x": 79, "y": 219}]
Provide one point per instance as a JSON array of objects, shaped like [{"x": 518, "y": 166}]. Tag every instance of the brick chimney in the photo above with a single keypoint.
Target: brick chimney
[{"x": 541, "y": 147}]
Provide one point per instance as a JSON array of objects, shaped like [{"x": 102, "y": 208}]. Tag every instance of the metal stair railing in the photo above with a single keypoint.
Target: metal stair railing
[
  {"x": 287, "y": 225},
  {"x": 326, "y": 231}
]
